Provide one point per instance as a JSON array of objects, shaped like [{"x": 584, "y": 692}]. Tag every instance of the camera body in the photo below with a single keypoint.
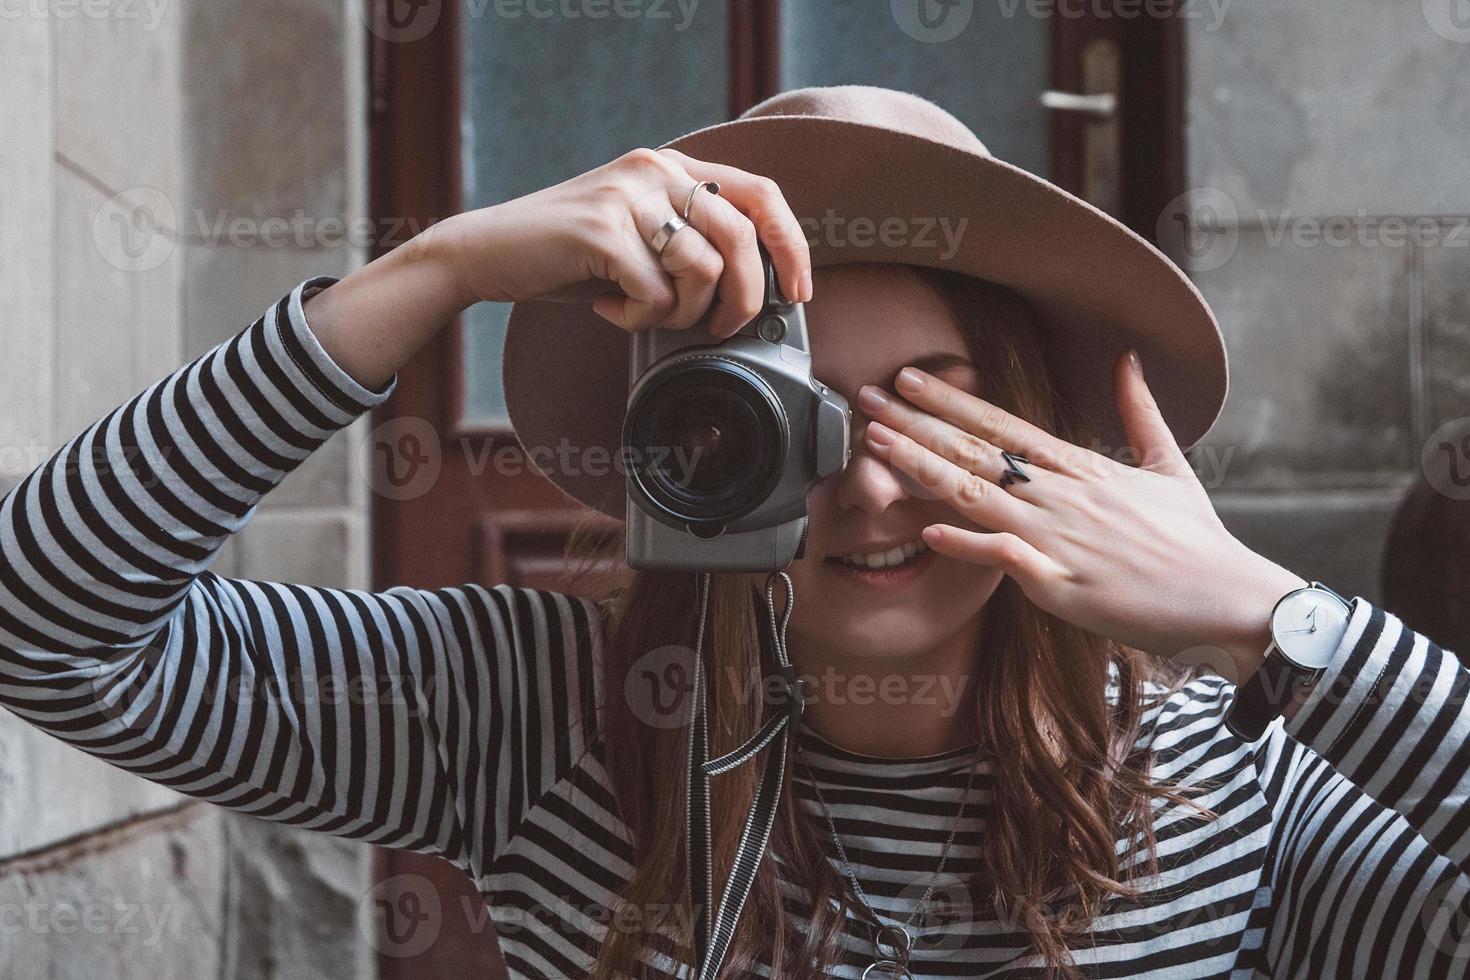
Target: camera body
[{"x": 723, "y": 440}]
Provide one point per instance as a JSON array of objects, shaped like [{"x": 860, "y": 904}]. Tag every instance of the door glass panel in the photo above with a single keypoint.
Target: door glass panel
[
  {"x": 986, "y": 63},
  {"x": 550, "y": 91}
]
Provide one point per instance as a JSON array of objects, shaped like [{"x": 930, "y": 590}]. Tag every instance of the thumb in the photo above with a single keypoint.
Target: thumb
[{"x": 1148, "y": 434}]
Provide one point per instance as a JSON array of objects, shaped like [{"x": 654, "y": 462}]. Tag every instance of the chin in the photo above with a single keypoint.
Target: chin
[
  {"x": 884, "y": 623},
  {"x": 893, "y": 635}
]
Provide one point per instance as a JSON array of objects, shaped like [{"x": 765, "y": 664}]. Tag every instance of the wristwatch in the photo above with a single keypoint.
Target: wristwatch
[{"x": 1307, "y": 627}]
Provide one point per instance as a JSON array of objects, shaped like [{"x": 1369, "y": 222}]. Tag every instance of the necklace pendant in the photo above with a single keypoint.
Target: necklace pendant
[{"x": 892, "y": 945}]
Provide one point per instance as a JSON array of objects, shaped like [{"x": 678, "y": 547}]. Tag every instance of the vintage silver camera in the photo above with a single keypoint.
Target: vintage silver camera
[{"x": 723, "y": 439}]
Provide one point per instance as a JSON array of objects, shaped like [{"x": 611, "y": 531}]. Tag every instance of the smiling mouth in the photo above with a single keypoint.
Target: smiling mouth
[
  {"x": 879, "y": 560},
  {"x": 883, "y": 577}
]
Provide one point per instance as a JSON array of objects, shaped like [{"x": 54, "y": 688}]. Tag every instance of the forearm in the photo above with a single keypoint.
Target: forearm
[
  {"x": 101, "y": 542},
  {"x": 374, "y": 320}
]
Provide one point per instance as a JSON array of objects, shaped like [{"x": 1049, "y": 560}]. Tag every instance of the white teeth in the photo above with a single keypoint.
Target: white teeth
[{"x": 886, "y": 559}]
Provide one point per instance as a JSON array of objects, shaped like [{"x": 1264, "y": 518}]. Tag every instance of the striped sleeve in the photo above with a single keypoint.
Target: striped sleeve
[
  {"x": 1390, "y": 714},
  {"x": 1368, "y": 784},
  {"x": 430, "y": 720}
]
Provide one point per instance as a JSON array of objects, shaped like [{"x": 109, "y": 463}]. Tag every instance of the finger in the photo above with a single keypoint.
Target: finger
[
  {"x": 937, "y": 478},
  {"x": 648, "y": 292},
  {"x": 1010, "y": 553},
  {"x": 696, "y": 266},
  {"x": 761, "y": 200},
  {"x": 740, "y": 287},
  {"x": 688, "y": 264},
  {"x": 990, "y": 422},
  {"x": 1148, "y": 434},
  {"x": 965, "y": 449}
]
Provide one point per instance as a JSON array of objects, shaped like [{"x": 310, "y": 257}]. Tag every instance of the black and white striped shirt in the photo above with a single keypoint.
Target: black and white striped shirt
[{"x": 462, "y": 722}]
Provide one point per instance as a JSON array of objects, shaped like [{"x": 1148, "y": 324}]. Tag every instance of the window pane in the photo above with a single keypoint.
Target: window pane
[
  {"x": 550, "y": 91},
  {"x": 985, "y": 62}
]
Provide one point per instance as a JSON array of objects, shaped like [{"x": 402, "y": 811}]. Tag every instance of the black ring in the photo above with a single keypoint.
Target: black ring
[{"x": 1013, "y": 472}]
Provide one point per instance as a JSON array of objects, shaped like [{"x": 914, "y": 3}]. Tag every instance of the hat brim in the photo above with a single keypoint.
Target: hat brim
[{"x": 1098, "y": 287}]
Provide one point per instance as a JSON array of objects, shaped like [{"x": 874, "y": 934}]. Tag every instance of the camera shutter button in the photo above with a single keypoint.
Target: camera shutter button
[{"x": 771, "y": 328}]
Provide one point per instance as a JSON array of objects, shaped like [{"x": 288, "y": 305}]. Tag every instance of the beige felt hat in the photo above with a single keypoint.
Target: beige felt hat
[{"x": 861, "y": 153}]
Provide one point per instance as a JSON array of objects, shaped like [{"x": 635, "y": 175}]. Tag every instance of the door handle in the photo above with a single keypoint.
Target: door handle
[{"x": 1103, "y": 105}]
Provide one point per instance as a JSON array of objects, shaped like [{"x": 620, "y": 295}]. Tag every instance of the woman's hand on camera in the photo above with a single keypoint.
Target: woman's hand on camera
[{"x": 589, "y": 238}]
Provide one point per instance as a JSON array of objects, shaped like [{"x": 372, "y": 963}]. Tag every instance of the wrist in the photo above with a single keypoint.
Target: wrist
[
  {"x": 375, "y": 319},
  {"x": 434, "y": 257},
  {"x": 1244, "y": 632}
]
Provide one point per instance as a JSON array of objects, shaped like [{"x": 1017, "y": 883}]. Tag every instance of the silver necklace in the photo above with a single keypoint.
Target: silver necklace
[{"x": 892, "y": 944}]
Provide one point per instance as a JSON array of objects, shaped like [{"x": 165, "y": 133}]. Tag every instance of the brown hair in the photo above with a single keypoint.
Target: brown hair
[{"x": 1069, "y": 776}]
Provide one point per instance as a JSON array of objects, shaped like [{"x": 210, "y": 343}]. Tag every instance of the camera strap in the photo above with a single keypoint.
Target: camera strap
[{"x": 712, "y": 935}]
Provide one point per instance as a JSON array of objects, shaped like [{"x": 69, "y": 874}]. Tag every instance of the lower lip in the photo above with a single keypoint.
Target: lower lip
[{"x": 889, "y": 579}]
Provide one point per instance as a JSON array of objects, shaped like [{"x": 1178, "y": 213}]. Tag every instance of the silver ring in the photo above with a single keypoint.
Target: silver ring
[
  {"x": 714, "y": 188},
  {"x": 666, "y": 231}
]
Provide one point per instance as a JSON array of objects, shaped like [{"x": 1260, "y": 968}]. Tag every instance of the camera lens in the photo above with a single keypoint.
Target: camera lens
[{"x": 707, "y": 437}]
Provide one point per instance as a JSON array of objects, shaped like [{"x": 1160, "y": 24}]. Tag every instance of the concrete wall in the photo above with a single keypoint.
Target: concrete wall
[
  {"x": 1329, "y": 227},
  {"x": 145, "y": 145}
]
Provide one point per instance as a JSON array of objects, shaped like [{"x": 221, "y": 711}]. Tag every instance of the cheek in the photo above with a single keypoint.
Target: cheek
[{"x": 956, "y": 590}]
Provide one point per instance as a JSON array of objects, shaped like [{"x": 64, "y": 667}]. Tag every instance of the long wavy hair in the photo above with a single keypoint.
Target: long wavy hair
[{"x": 1069, "y": 772}]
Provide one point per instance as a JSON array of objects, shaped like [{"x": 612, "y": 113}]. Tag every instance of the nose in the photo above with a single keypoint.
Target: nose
[{"x": 867, "y": 483}]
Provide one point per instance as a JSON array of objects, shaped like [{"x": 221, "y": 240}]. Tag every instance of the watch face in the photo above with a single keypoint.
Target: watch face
[{"x": 1308, "y": 627}]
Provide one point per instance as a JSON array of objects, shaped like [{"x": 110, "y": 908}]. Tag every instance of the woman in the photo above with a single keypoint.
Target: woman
[{"x": 1019, "y": 789}]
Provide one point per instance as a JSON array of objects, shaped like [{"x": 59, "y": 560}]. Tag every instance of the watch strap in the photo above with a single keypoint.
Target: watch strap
[{"x": 1264, "y": 696}]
